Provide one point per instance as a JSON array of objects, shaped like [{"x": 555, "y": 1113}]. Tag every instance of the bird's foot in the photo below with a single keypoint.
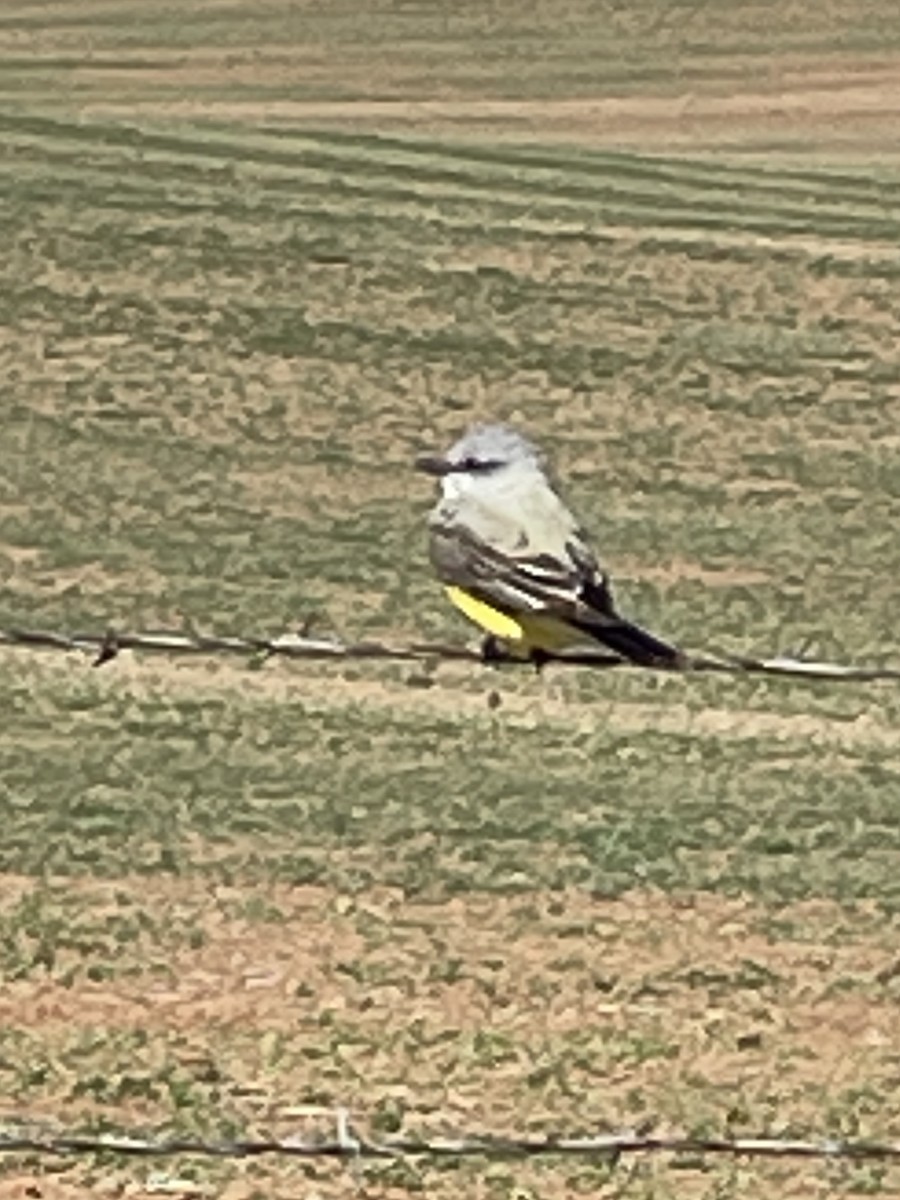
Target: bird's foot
[
  {"x": 538, "y": 658},
  {"x": 492, "y": 651},
  {"x": 495, "y": 650}
]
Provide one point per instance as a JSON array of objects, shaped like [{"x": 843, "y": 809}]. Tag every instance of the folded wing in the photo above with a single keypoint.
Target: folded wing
[{"x": 567, "y": 585}]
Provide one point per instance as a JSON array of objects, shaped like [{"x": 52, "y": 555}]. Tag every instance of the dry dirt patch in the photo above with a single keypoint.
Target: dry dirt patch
[
  {"x": 546, "y": 1012},
  {"x": 730, "y": 988},
  {"x": 465, "y": 692}
]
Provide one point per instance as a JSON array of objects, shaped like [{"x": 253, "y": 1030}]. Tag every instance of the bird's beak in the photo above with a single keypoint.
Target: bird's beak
[{"x": 432, "y": 465}]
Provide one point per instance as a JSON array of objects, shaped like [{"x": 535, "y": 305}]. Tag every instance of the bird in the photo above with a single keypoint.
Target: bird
[{"x": 517, "y": 563}]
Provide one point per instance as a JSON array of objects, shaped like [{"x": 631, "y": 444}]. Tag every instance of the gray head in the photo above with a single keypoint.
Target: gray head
[{"x": 485, "y": 450}]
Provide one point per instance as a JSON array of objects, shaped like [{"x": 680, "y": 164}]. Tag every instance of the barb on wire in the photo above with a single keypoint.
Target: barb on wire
[
  {"x": 347, "y": 1143},
  {"x": 106, "y": 646}
]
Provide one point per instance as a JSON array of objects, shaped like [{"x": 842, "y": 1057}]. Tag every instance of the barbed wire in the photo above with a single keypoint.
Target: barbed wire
[
  {"x": 104, "y": 647},
  {"x": 346, "y": 1142}
]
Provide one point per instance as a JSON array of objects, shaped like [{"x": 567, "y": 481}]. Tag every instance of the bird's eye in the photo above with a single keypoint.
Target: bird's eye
[{"x": 477, "y": 466}]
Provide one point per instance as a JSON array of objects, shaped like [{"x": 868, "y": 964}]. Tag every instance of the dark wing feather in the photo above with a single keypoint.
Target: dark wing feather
[
  {"x": 573, "y": 590},
  {"x": 538, "y": 583}
]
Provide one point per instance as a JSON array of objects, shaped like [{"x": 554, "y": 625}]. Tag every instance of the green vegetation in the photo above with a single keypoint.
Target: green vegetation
[
  {"x": 435, "y": 797},
  {"x": 226, "y": 329}
]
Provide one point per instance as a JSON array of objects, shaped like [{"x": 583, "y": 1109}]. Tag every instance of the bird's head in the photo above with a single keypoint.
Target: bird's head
[{"x": 483, "y": 452}]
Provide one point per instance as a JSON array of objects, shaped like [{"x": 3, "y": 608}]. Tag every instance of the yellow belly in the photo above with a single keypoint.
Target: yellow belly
[{"x": 524, "y": 631}]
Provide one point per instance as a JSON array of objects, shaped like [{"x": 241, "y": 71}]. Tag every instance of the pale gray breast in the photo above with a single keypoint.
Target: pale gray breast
[{"x": 519, "y": 520}]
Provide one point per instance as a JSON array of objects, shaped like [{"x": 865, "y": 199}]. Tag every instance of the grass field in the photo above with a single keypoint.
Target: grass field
[{"x": 256, "y": 259}]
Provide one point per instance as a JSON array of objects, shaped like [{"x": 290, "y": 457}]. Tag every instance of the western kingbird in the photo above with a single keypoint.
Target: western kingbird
[{"x": 515, "y": 561}]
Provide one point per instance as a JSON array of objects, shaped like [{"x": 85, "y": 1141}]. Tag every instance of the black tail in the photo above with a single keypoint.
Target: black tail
[
  {"x": 619, "y": 635},
  {"x": 633, "y": 643}
]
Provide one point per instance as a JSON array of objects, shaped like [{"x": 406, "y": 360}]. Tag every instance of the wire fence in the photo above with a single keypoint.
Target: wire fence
[
  {"x": 104, "y": 647},
  {"x": 346, "y": 1142}
]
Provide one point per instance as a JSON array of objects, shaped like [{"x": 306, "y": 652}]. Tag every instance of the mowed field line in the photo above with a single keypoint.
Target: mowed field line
[
  {"x": 480, "y": 165},
  {"x": 451, "y": 692},
  {"x": 347, "y": 171}
]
